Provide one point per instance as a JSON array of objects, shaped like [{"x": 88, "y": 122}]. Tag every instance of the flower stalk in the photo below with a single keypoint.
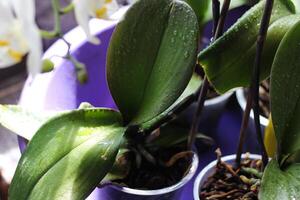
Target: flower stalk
[
  {"x": 253, "y": 95},
  {"x": 218, "y": 30}
]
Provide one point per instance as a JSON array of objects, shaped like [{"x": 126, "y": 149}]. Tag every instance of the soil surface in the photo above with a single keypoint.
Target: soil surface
[
  {"x": 234, "y": 183},
  {"x": 170, "y": 166}
]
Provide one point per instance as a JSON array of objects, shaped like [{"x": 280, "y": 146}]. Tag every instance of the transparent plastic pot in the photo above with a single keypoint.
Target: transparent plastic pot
[{"x": 210, "y": 169}]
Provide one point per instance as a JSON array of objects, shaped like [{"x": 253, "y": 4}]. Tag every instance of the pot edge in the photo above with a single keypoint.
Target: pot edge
[{"x": 211, "y": 165}]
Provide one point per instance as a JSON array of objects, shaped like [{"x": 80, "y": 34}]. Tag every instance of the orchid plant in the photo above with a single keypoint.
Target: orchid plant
[{"x": 150, "y": 64}]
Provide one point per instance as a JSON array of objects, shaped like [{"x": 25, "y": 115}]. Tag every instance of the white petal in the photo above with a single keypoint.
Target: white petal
[
  {"x": 6, "y": 16},
  {"x": 12, "y": 42},
  {"x": 82, "y": 17},
  {"x": 34, "y": 58},
  {"x": 25, "y": 10},
  {"x": 29, "y": 39},
  {"x": 112, "y": 7}
]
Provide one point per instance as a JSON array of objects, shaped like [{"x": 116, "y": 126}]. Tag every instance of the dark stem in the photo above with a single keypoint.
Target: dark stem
[
  {"x": 243, "y": 129},
  {"x": 254, "y": 88},
  {"x": 221, "y": 20},
  {"x": 216, "y": 14},
  {"x": 255, "y": 84},
  {"x": 196, "y": 118},
  {"x": 218, "y": 30}
]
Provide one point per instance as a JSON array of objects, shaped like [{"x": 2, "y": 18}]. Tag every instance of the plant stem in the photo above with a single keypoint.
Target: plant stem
[
  {"x": 216, "y": 14},
  {"x": 255, "y": 85},
  {"x": 66, "y": 9},
  {"x": 196, "y": 118},
  {"x": 243, "y": 129},
  {"x": 253, "y": 94},
  {"x": 57, "y": 18},
  {"x": 57, "y": 33},
  {"x": 218, "y": 30},
  {"x": 57, "y": 22},
  {"x": 49, "y": 34}
]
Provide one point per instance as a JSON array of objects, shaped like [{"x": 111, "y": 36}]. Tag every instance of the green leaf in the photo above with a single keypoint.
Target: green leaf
[
  {"x": 202, "y": 9},
  {"x": 228, "y": 62},
  {"x": 151, "y": 57},
  {"x": 191, "y": 88},
  {"x": 25, "y": 122},
  {"x": 285, "y": 92},
  {"x": 22, "y": 121},
  {"x": 120, "y": 168},
  {"x": 68, "y": 156},
  {"x": 280, "y": 185}
]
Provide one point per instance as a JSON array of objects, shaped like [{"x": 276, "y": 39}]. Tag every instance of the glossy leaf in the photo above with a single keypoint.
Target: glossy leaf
[
  {"x": 120, "y": 168},
  {"x": 68, "y": 156},
  {"x": 191, "y": 88},
  {"x": 151, "y": 57},
  {"x": 22, "y": 121},
  {"x": 280, "y": 185},
  {"x": 25, "y": 122},
  {"x": 228, "y": 62},
  {"x": 285, "y": 92}
]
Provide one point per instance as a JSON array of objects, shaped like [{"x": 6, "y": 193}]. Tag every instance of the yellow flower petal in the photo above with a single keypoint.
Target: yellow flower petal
[
  {"x": 4, "y": 43},
  {"x": 108, "y": 1},
  {"x": 16, "y": 55},
  {"x": 101, "y": 12}
]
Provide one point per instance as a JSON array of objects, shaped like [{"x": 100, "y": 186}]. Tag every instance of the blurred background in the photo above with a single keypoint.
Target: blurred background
[{"x": 12, "y": 80}]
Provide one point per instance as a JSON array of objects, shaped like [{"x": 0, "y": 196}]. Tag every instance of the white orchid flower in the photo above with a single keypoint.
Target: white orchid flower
[
  {"x": 19, "y": 35},
  {"x": 84, "y": 9}
]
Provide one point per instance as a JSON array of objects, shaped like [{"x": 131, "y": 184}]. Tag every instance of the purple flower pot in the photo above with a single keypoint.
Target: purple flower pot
[{"x": 210, "y": 169}]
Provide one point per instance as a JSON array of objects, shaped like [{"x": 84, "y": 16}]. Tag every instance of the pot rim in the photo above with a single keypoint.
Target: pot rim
[
  {"x": 211, "y": 165},
  {"x": 218, "y": 99},
  {"x": 166, "y": 190},
  {"x": 242, "y": 102}
]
